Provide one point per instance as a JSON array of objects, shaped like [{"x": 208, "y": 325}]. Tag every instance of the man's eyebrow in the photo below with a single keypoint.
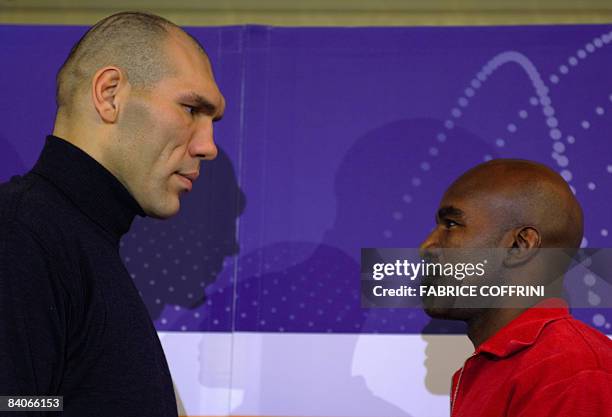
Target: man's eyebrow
[
  {"x": 201, "y": 104},
  {"x": 449, "y": 211}
]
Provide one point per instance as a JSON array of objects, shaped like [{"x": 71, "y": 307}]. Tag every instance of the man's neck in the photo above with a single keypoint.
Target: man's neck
[{"x": 485, "y": 325}]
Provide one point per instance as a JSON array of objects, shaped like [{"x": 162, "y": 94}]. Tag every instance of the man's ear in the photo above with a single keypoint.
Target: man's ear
[
  {"x": 525, "y": 244},
  {"x": 106, "y": 85}
]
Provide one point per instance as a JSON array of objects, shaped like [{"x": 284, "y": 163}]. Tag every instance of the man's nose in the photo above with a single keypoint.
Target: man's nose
[
  {"x": 202, "y": 144},
  {"x": 430, "y": 247}
]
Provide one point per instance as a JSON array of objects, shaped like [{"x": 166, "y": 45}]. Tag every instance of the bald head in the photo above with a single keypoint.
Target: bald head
[
  {"x": 525, "y": 194},
  {"x": 132, "y": 41}
]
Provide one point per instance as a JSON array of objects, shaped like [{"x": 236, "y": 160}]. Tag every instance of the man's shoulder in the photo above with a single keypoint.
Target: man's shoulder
[
  {"x": 569, "y": 363},
  {"x": 29, "y": 203},
  {"x": 564, "y": 350},
  {"x": 11, "y": 196},
  {"x": 571, "y": 346},
  {"x": 581, "y": 341}
]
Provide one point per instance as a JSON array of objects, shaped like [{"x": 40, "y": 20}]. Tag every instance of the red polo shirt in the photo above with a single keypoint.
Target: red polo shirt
[{"x": 543, "y": 363}]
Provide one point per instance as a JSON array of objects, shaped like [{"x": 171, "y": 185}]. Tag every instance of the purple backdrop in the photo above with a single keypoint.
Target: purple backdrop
[{"x": 336, "y": 139}]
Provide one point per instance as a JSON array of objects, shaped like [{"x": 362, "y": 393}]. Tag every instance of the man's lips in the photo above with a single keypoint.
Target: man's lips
[
  {"x": 192, "y": 176},
  {"x": 187, "y": 178}
]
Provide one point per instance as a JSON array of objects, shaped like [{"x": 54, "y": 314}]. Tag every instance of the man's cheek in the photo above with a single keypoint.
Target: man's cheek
[{"x": 451, "y": 239}]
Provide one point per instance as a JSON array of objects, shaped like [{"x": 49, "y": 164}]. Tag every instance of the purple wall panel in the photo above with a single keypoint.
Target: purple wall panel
[{"x": 336, "y": 139}]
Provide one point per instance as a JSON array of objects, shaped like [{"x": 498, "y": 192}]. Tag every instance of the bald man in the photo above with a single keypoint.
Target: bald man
[
  {"x": 531, "y": 357},
  {"x": 136, "y": 104}
]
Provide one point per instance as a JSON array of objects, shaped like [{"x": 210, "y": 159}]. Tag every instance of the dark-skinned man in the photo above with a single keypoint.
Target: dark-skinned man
[{"x": 531, "y": 357}]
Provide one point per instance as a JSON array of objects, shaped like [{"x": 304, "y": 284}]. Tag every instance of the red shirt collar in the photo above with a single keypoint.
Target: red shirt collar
[{"x": 525, "y": 329}]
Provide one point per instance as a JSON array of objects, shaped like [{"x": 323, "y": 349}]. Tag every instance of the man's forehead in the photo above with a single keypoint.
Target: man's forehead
[
  {"x": 476, "y": 185},
  {"x": 466, "y": 200},
  {"x": 446, "y": 210},
  {"x": 222, "y": 105},
  {"x": 485, "y": 204},
  {"x": 186, "y": 56},
  {"x": 193, "y": 75},
  {"x": 200, "y": 88}
]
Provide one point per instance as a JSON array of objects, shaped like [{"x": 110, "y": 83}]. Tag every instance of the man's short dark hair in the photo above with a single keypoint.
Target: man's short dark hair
[{"x": 131, "y": 41}]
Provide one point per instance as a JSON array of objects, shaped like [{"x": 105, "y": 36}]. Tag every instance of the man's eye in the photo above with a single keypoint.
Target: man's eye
[
  {"x": 450, "y": 223},
  {"x": 189, "y": 109}
]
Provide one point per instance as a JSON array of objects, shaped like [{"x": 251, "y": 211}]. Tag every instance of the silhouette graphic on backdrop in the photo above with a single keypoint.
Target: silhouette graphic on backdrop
[
  {"x": 443, "y": 354},
  {"x": 313, "y": 287},
  {"x": 297, "y": 286}
]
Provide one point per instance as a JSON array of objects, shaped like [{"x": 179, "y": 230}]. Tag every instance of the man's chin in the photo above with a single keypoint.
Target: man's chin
[
  {"x": 441, "y": 308},
  {"x": 448, "y": 313},
  {"x": 163, "y": 213}
]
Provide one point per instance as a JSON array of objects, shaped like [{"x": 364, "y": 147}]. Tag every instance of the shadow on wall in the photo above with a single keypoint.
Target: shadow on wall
[
  {"x": 388, "y": 189},
  {"x": 299, "y": 372},
  {"x": 444, "y": 354},
  {"x": 10, "y": 162},
  {"x": 172, "y": 261},
  {"x": 384, "y": 198}
]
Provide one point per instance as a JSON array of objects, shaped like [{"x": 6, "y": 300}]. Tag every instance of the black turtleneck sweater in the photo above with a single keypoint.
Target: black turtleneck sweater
[{"x": 71, "y": 320}]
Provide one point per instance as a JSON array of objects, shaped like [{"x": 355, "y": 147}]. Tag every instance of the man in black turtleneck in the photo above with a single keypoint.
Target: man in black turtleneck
[{"x": 136, "y": 103}]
